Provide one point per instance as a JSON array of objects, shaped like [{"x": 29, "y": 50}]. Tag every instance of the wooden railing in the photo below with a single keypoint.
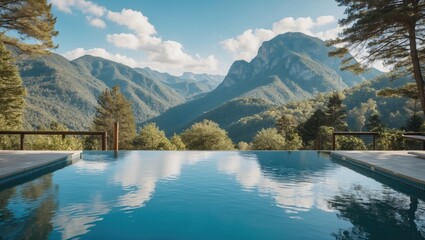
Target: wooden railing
[
  {"x": 373, "y": 134},
  {"x": 22, "y": 134}
]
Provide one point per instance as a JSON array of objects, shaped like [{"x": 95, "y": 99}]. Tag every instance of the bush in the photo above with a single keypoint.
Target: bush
[
  {"x": 391, "y": 139},
  {"x": 350, "y": 143},
  {"x": 206, "y": 135},
  {"x": 268, "y": 139}
]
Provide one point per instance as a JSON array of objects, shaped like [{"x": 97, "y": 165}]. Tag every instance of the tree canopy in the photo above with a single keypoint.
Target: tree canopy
[
  {"x": 206, "y": 135},
  {"x": 22, "y": 20},
  {"x": 113, "y": 107},
  {"x": 12, "y": 92},
  {"x": 387, "y": 30},
  {"x": 152, "y": 138}
]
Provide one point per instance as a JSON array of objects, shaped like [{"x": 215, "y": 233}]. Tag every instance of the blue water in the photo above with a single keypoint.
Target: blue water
[{"x": 210, "y": 195}]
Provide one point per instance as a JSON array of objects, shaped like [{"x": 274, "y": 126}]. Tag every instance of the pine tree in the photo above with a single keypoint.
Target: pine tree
[
  {"x": 113, "y": 107},
  {"x": 12, "y": 92},
  {"x": 388, "y": 30},
  {"x": 336, "y": 113},
  {"x": 310, "y": 128},
  {"x": 374, "y": 123},
  {"x": 28, "y": 20}
]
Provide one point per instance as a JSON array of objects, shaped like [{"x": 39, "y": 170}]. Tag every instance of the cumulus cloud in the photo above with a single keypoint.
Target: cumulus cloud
[
  {"x": 245, "y": 45},
  {"x": 96, "y": 22},
  {"x": 162, "y": 55},
  {"x": 82, "y": 5},
  {"x": 142, "y": 38},
  {"x": 101, "y": 52}
]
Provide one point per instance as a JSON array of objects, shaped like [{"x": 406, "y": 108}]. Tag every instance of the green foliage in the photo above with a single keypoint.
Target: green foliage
[
  {"x": 414, "y": 124},
  {"x": 55, "y": 142},
  {"x": 177, "y": 142},
  {"x": 325, "y": 137},
  {"x": 388, "y": 30},
  {"x": 243, "y": 146},
  {"x": 336, "y": 113},
  {"x": 293, "y": 141},
  {"x": 11, "y": 92},
  {"x": 268, "y": 139},
  {"x": 373, "y": 123},
  {"x": 206, "y": 135},
  {"x": 152, "y": 138},
  {"x": 391, "y": 139},
  {"x": 113, "y": 107},
  {"x": 350, "y": 143},
  {"x": 310, "y": 128},
  {"x": 29, "y": 19}
]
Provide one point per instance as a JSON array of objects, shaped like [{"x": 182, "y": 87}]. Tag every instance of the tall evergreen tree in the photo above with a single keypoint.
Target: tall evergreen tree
[
  {"x": 28, "y": 20},
  {"x": 12, "y": 92},
  {"x": 336, "y": 113},
  {"x": 310, "y": 128},
  {"x": 373, "y": 123},
  {"x": 388, "y": 30},
  {"x": 113, "y": 107}
]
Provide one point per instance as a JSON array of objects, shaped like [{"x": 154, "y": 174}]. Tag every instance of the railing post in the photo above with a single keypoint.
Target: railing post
[
  {"x": 116, "y": 135},
  {"x": 104, "y": 140},
  {"x": 22, "y": 141},
  {"x": 333, "y": 141},
  {"x": 373, "y": 142}
]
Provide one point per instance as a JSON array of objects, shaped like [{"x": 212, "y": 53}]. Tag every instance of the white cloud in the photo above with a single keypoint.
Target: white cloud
[
  {"x": 96, "y": 22},
  {"x": 133, "y": 20},
  {"x": 101, "y": 52},
  {"x": 162, "y": 55},
  {"x": 245, "y": 45},
  {"x": 87, "y": 7}
]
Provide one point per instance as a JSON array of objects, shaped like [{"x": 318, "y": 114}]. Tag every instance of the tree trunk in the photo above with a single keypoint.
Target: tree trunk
[{"x": 416, "y": 65}]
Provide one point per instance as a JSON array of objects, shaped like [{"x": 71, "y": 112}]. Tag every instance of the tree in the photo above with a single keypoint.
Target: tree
[
  {"x": 176, "y": 140},
  {"x": 113, "y": 107},
  {"x": 350, "y": 143},
  {"x": 152, "y": 138},
  {"x": 27, "y": 20},
  {"x": 12, "y": 92},
  {"x": 206, "y": 135},
  {"x": 285, "y": 124},
  {"x": 362, "y": 112},
  {"x": 243, "y": 146},
  {"x": 373, "y": 123},
  {"x": 55, "y": 142},
  {"x": 407, "y": 91},
  {"x": 414, "y": 124},
  {"x": 268, "y": 139},
  {"x": 336, "y": 113},
  {"x": 387, "y": 30},
  {"x": 309, "y": 129}
]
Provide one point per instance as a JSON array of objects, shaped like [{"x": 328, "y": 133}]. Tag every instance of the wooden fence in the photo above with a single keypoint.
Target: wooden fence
[{"x": 22, "y": 134}]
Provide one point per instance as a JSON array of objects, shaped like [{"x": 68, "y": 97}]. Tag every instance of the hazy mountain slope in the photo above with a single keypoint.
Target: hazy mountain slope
[
  {"x": 66, "y": 91},
  {"x": 189, "y": 84},
  {"x": 292, "y": 66},
  {"x": 393, "y": 111}
]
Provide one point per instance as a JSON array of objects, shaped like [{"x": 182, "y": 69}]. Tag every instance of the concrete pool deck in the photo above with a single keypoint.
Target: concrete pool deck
[
  {"x": 402, "y": 166},
  {"x": 14, "y": 164}
]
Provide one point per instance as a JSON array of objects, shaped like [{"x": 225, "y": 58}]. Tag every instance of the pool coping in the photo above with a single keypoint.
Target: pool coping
[
  {"x": 346, "y": 156},
  {"x": 62, "y": 159}
]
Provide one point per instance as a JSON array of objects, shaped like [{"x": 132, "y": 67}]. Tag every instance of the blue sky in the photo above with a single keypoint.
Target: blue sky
[{"x": 186, "y": 35}]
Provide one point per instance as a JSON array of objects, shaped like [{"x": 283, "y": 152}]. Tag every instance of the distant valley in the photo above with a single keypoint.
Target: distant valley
[
  {"x": 66, "y": 91},
  {"x": 291, "y": 68}
]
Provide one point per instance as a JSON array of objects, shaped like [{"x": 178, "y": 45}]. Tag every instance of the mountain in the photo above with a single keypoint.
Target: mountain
[
  {"x": 66, "y": 91},
  {"x": 290, "y": 67},
  {"x": 393, "y": 112},
  {"x": 188, "y": 84}
]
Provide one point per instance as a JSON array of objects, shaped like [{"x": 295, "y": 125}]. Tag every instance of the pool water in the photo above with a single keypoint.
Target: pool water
[{"x": 209, "y": 195}]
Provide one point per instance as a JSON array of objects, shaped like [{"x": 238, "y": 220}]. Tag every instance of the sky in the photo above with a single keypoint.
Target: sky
[{"x": 200, "y": 36}]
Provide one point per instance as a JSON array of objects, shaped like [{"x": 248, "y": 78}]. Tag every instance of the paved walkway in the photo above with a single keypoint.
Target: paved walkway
[
  {"x": 15, "y": 162},
  {"x": 399, "y": 164}
]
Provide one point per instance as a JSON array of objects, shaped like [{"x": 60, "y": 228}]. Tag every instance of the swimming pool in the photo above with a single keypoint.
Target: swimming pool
[{"x": 210, "y": 195}]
